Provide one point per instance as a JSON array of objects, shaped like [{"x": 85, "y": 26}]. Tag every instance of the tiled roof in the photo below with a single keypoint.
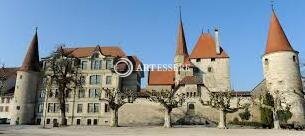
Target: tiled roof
[
  {"x": 191, "y": 80},
  {"x": 87, "y": 51},
  {"x": 161, "y": 77},
  {"x": 206, "y": 48},
  {"x": 277, "y": 40},
  {"x": 8, "y": 72},
  {"x": 31, "y": 60}
]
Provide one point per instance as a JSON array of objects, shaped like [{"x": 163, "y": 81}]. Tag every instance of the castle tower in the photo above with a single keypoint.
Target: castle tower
[
  {"x": 212, "y": 62},
  {"x": 181, "y": 61},
  {"x": 27, "y": 82},
  {"x": 281, "y": 70}
]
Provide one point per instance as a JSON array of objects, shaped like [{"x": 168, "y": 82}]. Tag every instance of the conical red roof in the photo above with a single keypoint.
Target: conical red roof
[
  {"x": 277, "y": 40},
  {"x": 181, "y": 44},
  {"x": 31, "y": 60}
]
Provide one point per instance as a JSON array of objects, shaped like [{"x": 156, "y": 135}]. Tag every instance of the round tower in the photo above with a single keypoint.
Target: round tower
[
  {"x": 27, "y": 81},
  {"x": 282, "y": 72}
]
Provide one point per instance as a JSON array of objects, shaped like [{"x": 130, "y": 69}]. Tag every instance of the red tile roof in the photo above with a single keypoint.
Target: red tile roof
[
  {"x": 161, "y": 77},
  {"x": 8, "y": 72},
  {"x": 31, "y": 60},
  {"x": 87, "y": 51},
  {"x": 206, "y": 48},
  {"x": 277, "y": 40}
]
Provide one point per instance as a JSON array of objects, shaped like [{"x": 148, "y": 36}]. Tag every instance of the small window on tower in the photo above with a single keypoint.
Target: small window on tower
[
  {"x": 198, "y": 60},
  {"x": 266, "y": 61},
  {"x": 212, "y": 59},
  {"x": 209, "y": 69},
  {"x": 294, "y": 58},
  {"x": 20, "y": 76}
]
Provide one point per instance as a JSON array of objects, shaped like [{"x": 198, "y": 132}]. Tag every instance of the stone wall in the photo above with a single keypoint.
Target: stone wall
[{"x": 282, "y": 73}]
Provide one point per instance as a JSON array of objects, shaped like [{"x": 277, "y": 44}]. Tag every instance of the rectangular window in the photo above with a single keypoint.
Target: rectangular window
[
  {"x": 8, "y": 100},
  {"x": 56, "y": 107},
  {"x": 95, "y": 122},
  {"x": 40, "y": 108},
  {"x": 84, "y": 65},
  {"x": 96, "y": 64},
  {"x": 198, "y": 60},
  {"x": 2, "y": 100},
  {"x": 106, "y": 107},
  {"x": 108, "y": 80},
  {"x": 67, "y": 108},
  {"x": 1, "y": 108},
  {"x": 88, "y": 121},
  {"x": 212, "y": 59},
  {"x": 96, "y": 107},
  {"x": 6, "y": 108},
  {"x": 90, "y": 107},
  {"x": 94, "y": 93},
  {"x": 48, "y": 121},
  {"x": 50, "y": 107},
  {"x": 81, "y": 93},
  {"x": 77, "y": 121},
  {"x": 95, "y": 79},
  {"x": 109, "y": 64},
  {"x": 42, "y": 93},
  {"x": 79, "y": 108}
]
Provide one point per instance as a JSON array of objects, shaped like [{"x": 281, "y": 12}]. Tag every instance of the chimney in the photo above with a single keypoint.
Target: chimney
[{"x": 217, "y": 41}]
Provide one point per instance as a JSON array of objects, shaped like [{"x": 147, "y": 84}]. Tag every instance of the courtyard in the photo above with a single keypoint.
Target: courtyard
[{"x": 7, "y": 130}]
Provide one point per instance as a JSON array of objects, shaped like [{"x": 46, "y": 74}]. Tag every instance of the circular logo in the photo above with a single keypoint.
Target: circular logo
[{"x": 123, "y": 67}]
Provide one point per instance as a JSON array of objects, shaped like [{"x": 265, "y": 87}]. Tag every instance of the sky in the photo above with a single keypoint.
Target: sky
[{"x": 148, "y": 28}]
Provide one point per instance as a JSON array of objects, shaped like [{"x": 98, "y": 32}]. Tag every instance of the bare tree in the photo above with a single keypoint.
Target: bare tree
[
  {"x": 3, "y": 79},
  {"x": 221, "y": 102},
  {"x": 169, "y": 99},
  {"x": 276, "y": 106},
  {"x": 116, "y": 98},
  {"x": 64, "y": 73}
]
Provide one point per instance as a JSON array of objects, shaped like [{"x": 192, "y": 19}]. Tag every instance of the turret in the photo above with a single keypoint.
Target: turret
[
  {"x": 182, "y": 61},
  {"x": 281, "y": 70},
  {"x": 23, "y": 109}
]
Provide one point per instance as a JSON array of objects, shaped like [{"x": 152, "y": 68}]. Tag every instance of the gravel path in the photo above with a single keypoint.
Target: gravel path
[{"x": 6, "y": 130}]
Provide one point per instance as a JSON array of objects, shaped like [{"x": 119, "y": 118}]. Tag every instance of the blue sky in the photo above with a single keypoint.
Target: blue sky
[{"x": 148, "y": 28}]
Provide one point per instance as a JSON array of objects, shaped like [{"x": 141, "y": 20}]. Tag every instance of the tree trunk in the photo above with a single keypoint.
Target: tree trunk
[
  {"x": 167, "y": 118},
  {"x": 276, "y": 121},
  {"x": 62, "y": 104},
  {"x": 115, "y": 118},
  {"x": 222, "y": 119}
]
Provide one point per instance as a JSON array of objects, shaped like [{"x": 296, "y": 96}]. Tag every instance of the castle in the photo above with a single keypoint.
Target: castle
[{"x": 207, "y": 70}]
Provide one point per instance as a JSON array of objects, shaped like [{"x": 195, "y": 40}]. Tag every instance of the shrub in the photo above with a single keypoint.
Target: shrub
[
  {"x": 245, "y": 115},
  {"x": 266, "y": 114},
  {"x": 284, "y": 115}
]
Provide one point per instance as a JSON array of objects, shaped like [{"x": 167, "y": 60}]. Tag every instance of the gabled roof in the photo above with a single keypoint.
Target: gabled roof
[
  {"x": 31, "y": 60},
  {"x": 88, "y": 51},
  {"x": 206, "y": 48},
  {"x": 166, "y": 77},
  {"x": 277, "y": 40}
]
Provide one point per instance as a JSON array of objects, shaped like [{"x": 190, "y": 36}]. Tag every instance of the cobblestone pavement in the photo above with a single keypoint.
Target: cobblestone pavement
[{"x": 7, "y": 130}]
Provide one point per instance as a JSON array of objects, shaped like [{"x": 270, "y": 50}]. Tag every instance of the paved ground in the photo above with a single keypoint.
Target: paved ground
[{"x": 140, "y": 131}]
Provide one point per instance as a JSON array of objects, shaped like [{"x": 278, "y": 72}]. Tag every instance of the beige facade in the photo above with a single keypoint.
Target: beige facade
[{"x": 282, "y": 73}]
